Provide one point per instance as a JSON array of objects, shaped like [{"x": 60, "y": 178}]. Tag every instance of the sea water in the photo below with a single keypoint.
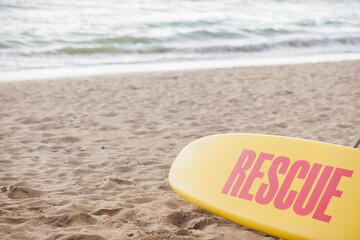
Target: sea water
[{"x": 42, "y": 34}]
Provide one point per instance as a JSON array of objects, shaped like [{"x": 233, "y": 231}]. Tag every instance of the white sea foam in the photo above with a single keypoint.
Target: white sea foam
[{"x": 51, "y": 73}]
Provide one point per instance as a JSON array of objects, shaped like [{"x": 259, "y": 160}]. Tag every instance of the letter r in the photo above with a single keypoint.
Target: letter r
[{"x": 243, "y": 164}]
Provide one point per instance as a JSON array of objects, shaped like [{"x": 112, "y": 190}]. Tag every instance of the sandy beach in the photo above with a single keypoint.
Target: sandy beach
[{"x": 88, "y": 157}]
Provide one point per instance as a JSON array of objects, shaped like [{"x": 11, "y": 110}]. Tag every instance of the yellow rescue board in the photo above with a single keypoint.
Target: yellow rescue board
[{"x": 290, "y": 188}]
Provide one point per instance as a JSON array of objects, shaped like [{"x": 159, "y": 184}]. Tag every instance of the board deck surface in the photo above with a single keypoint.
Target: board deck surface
[{"x": 290, "y": 188}]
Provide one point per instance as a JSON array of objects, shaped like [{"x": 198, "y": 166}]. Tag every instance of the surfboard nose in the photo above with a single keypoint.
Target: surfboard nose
[{"x": 287, "y": 187}]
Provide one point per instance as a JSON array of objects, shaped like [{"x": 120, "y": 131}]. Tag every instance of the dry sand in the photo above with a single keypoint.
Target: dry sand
[{"x": 88, "y": 158}]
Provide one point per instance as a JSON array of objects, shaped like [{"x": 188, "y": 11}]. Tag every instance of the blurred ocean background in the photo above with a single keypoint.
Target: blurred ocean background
[{"x": 38, "y": 34}]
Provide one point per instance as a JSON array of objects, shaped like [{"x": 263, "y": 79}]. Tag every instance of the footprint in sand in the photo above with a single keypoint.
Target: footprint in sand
[
  {"x": 70, "y": 139},
  {"x": 75, "y": 237},
  {"x": 66, "y": 220},
  {"x": 109, "y": 212},
  {"x": 189, "y": 220},
  {"x": 22, "y": 193}
]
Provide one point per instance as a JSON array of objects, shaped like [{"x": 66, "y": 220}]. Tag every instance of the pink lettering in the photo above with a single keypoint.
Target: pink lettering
[
  {"x": 304, "y": 192},
  {"x": 284, "y": 163},
  {"x": 279, "y": 201},
  {"x": 239, "y": 170},
  {"x": 319, "y": 194},
  {"x": 330, "y": 192},
  {"x": 255, "y": 173}
]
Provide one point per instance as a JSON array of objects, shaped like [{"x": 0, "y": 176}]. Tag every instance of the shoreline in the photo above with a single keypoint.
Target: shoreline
[{"x": 54, "y": 73}]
